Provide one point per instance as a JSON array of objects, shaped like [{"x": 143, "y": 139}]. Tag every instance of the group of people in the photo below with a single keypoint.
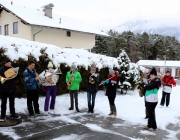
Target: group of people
[
  {"x": 32, "y": 84},
  {"x": 151, "y": 94}
]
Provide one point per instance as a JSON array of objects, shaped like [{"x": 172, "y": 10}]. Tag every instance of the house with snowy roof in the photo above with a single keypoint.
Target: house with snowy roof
[
  {"x": 161, "y": 65},
  {"x": 46, "y": 27}
]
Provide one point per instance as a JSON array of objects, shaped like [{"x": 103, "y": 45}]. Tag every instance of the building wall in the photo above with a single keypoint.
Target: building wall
[
  {"x": 59, "y": 38},
  {"x": 24, "y": 31}
]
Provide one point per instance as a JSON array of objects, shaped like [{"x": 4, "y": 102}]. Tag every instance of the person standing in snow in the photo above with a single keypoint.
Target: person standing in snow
[
  {"x": 111, "y": 85},
  {"x": 151, "y": 97},
  {"x": 31, "y": 82},
  {"x": 167, "y": 82},
  {"x": 91, "y": 81},
  {"x": 51, "y": 89},
  {"x": 7, "y": 89},
  {"x": 73, "y": 79}
]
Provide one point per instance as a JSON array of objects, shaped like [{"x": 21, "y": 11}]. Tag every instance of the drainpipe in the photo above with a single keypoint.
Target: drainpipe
[{"x": 37, "y": 33}]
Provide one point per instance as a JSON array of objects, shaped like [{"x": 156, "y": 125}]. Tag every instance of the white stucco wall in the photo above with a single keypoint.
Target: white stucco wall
[{"x": 24, "y": 31}]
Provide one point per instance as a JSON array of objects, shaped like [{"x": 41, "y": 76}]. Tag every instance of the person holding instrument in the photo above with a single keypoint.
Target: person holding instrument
[{"x": 73, "y": 79}]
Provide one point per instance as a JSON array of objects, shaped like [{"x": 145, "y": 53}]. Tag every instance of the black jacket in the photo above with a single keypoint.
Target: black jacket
[
  {"x": 92, "y": 87},
  {"x": 111, "y": 88},
  {"x": 9, "y": 86}
]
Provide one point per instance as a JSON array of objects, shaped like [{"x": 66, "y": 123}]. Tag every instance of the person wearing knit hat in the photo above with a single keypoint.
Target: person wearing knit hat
[
  {"x": 50, "y": 89},
  {"x": 73, "y": 79},
  {"x": 91, "y": 81},
  {"x": 7, "y": 90},
  {"x": 151, "y": 97},
  {"x": 111, "y": 84}
]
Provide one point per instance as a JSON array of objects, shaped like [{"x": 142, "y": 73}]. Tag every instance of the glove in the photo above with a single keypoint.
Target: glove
[{"x": 107, "y": 81}]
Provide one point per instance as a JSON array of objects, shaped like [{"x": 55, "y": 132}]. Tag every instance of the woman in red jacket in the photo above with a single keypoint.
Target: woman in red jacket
[
  {"x": 167, "y": 82},
  {"x": 111, "y": 84}
]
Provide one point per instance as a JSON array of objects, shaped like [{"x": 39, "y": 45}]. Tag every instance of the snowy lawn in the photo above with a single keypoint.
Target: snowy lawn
[{"x": 130, "y": 108}]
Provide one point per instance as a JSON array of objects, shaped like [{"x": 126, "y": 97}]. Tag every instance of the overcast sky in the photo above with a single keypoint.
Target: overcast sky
[{"x": 107, "y": 14}]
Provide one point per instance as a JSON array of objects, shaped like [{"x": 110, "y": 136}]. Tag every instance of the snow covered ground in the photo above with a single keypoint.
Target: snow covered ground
[{"x": 130, "y": 108}]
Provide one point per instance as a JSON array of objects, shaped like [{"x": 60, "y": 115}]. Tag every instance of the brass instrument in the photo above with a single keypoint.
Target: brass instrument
[
  {"x": 11, "y": 73},
  {"x": 91, "y": 79},
  {"x": 71, "y": 80}
]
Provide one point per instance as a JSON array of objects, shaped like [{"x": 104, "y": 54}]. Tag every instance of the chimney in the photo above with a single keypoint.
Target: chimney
[
  {"x": 48, "y": 10},
  {"x": 11, "y": 2}
]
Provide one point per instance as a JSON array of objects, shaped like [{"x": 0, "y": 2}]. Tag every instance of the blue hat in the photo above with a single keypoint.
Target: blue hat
[
  {"x": 6, "y": 60},
  {"x": 153, "y": 71}
]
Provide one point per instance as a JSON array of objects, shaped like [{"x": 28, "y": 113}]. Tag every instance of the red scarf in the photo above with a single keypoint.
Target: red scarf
[{"x": 115, "y": 77}]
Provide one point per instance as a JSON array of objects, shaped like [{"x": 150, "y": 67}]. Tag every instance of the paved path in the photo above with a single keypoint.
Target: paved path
[{"x": 86, "y": 126}]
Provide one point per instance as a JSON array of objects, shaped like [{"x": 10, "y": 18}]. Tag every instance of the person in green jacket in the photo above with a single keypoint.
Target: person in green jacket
[{"x": 73, "y": 79}]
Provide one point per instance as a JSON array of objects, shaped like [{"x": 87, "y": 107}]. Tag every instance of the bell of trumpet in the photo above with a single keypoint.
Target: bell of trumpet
[{"x": 3, "y": 80}]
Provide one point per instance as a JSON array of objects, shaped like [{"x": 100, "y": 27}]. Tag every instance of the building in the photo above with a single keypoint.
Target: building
[
  {"x": 46, "y": 27},
  {"x": 172, "y": 66}
]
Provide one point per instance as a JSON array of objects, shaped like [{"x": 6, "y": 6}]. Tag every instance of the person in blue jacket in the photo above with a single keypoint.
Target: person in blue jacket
[{"x": 31, "y": 79}]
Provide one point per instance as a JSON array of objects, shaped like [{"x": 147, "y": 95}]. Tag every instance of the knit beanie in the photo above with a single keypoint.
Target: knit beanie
[
  {"x": 93, "y": 69},
  {"x": 6, "y": 60},
  {"x": 153, "y": 71},
  {"x": 111, "y": 71},
  {"x": 50, "y": 64},
  {"x": 73, "y": 66}
]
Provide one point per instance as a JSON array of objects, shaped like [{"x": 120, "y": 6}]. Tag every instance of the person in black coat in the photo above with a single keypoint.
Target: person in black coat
[
  {"x": 7, "y": 89},
  {"x": 111, "y": 85},
  {"x": 91, "y": 81}
]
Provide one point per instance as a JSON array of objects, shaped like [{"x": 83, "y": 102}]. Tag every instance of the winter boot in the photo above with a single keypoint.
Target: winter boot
[
  {"x": 71, "y": 108},
  {"x": 114, "y": 110},
  {"x": 77, "y": 109},
  {"x": 92, "y": 108},
  {"x": 111, "y": 110},
  {"x": 89, "y": 108}
]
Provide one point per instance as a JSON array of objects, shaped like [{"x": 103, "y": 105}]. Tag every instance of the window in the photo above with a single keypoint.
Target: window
[
  {"x": 0, "y": 30},
  {"x": 68, "y": 33},
  {"x": 6, "y": 29},
  {"x": 177, "y": 72},
  {"x": 15, "y": 27}
]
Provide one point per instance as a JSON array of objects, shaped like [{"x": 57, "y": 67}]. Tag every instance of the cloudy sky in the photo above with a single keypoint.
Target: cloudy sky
[{"x": 107, "y": 14}]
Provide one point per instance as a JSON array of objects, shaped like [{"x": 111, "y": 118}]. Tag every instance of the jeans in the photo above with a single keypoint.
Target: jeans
[
  {"x": 73, "y": 94},
  {"x": 89, "y": 95}
]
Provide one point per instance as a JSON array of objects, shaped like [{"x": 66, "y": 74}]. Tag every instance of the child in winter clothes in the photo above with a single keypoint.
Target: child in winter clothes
[
  {"x": 111, "y": 84},
  {"x": 91, "y": 81},
  {"x": 167, "y": 82},
  {"x": 73, "y": 77},
  {"x": 151, "y": 97}
]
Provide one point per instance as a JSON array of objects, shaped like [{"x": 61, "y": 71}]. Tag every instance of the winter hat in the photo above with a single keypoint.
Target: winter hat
[
  {"x": 73, "y": 66},
  {"x": 93, "y": 69},
  {"x": 111, "y": 71},
  {"x": 167, "y": 71},
  {"x": 153, "y": 71},
  {"x": 6, "y": 60},
  {"x": 50, "y": 64}
]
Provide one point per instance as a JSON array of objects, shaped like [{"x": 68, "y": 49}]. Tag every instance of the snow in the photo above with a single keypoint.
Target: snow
[
  {"x": 71, "y": 137},
  {"x": 58, "y": 55},
  {"x": 159, "y": 63},
  {"x": 130, "y": 108},
  {"x": 31, "y": 16}
]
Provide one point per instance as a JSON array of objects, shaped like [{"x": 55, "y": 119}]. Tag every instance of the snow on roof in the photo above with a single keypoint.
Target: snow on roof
[
  {"x": 36, "y": 17},
  {"x": 20, "y": 48},
  {"x": 159, "y": 63}
]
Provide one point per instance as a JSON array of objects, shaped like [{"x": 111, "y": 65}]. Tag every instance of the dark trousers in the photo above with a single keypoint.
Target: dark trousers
[
  {"x": 32, "y": 100},
  {"x": 50, "y": 91},
  {"x": 146, "y": 112},
  {"x": 111, "y": 100},
  {"x": 4, "y": 97},
  {"x": 89, "y": 95},
  {"x": 151, "y": 112},
  {"x": 165, "y": 96},
  {"x": 73, "y": 95}
]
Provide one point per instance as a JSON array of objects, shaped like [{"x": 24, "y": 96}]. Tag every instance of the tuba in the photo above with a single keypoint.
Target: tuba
[
  {"x": 11, "y": 73},
  {"x": 49, "y": 76}
]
